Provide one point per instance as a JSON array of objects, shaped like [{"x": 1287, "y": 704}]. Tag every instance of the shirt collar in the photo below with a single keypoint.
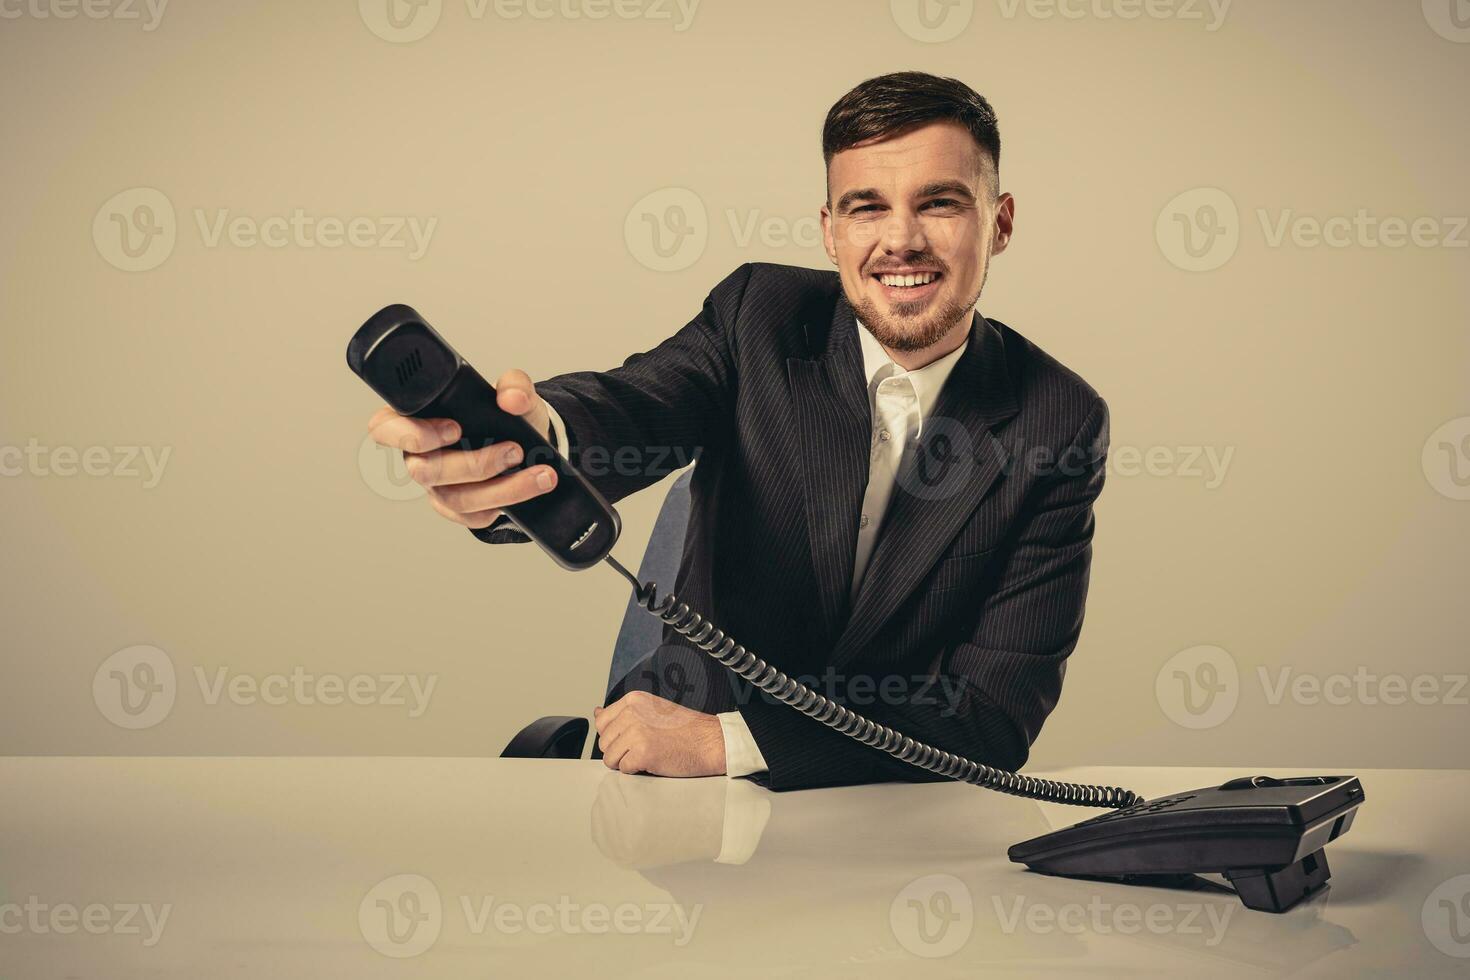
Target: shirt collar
[{"x": 927, "y": 380}]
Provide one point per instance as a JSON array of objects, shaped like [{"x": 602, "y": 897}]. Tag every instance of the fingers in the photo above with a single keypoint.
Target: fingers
[
  {"x": 602, "y": 717},
  {"x": 618, "y": 751},
  {"x": 496, "y": 493},
  {"x": 515, "y": 393},
  {"x": 619, "y": 734},
  {"x": 395, "y": 431},
  {"x": 610, "y": 731},
  {"x": 470, "y": 487},
  {"x": 445, "y": 466},
  {"x": 476, "y": 519}
]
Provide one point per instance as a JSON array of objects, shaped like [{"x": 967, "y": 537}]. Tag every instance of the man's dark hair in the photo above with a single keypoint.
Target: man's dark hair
[{"x": 890, "y": 105}]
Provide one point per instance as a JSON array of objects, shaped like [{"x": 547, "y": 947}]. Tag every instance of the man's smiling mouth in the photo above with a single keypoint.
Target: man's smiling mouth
[{"x": 908, "y": 285}]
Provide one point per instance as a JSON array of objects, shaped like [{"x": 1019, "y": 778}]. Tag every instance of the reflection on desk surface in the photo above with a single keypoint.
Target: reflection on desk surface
[{"x": 385, "y": 867}]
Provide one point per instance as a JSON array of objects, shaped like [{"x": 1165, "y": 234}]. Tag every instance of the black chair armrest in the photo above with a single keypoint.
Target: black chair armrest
[{"x": 552, "y": 737}]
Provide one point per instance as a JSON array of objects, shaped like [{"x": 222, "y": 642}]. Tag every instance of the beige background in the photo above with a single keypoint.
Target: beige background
[{"x": 1334, "y": 544}]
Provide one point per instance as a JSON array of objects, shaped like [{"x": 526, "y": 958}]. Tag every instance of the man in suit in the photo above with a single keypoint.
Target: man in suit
[{"x": 894, "y": 494}]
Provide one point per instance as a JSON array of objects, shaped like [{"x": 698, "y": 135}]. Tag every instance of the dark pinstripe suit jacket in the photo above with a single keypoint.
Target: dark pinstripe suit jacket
[{"x": 974, "y": 595}]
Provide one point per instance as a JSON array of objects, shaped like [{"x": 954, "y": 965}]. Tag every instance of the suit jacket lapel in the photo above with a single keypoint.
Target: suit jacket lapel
[
  {"x": 833, "y": 419},
  {"x": 945, "y": 478}
]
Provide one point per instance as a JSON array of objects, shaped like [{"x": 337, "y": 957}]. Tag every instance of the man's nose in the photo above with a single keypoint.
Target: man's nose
[{"x": 902, "y": 233}]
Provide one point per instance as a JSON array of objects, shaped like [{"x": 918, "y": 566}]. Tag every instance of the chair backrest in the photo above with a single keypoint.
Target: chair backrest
[{"x": 641, "y": 634}]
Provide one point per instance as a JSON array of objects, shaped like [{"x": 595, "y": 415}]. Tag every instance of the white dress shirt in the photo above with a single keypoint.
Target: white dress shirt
[{"x": 899, "y": 401}]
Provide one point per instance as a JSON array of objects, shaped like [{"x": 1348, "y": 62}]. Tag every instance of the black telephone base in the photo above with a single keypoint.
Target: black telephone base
[
  {"x": 1261, "y": 889},
  {"x": 1267, "y": 836},
  {"x": 1278, "y": 889}
]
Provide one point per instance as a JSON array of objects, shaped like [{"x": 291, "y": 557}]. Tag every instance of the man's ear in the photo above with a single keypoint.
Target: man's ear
[
  {"x": 827, "y": 242},
  {"x": 1005, "y": 223}
]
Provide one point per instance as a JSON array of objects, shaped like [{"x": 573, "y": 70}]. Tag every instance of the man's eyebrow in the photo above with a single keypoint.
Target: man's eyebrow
[
  {"x": 931, "y": 189},
  {"x": 862, "y": 194},
  {"x": 952, "y": 187}
]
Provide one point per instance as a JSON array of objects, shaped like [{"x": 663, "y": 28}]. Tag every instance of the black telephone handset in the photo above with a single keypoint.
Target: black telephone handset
[
  {"x": 1265, "y": 834},
  {"x": 417, "y": 373}
]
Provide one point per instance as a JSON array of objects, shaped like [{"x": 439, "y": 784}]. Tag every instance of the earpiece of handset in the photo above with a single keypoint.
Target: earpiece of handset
[{"x": 417, "y": 373}]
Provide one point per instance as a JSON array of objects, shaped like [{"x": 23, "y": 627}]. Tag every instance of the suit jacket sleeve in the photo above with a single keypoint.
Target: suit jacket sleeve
[
  {"x": 631, "y": 426},
  {"x": 991, "y": 692}
]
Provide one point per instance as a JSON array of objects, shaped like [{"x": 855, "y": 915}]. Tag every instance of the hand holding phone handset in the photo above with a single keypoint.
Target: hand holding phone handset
[{"x": 419, "y": 374}]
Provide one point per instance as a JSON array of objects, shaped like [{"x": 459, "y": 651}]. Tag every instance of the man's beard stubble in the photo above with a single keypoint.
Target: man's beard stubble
[{"x": 905, "y": 334}]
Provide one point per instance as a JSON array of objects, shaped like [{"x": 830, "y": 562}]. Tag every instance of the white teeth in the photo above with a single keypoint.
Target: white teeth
[{"x": 918, "y": 279}]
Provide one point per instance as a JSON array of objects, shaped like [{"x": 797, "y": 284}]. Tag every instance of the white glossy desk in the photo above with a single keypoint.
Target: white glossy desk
[{"x": 405, "y": 867}]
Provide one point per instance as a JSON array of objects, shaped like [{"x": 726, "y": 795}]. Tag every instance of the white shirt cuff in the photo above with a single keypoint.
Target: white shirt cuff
[
  {"x": 558, "y": 429},
  {"x": 742, "y": 755}
]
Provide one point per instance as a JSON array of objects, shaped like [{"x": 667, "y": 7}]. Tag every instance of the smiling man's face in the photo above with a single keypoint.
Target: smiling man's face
[{"x": 921, "y": 206}]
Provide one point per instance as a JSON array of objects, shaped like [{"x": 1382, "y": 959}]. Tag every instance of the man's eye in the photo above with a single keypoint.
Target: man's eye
[
  {"x": 944, "y": 202},
  {"x": 865, "y": 207}
]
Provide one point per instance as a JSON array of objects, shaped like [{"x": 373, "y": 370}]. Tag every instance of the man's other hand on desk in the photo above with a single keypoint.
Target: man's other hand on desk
[{"x": 642, "y": 732}]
